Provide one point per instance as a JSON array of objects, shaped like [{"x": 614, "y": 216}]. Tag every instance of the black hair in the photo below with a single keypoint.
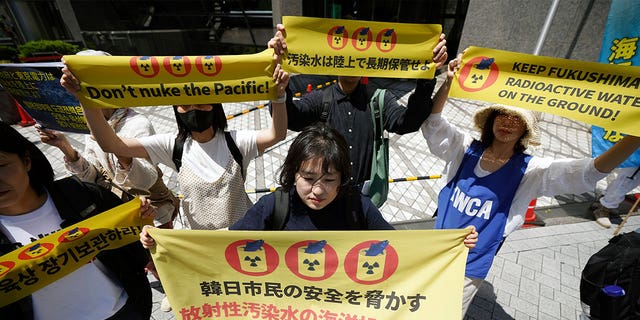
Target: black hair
[
  {"x": 219, "y": 121},
  {"x": 487, "y": 136},
  {"x": 41, "y": 173},
  {"x": 317, "y": 141}
]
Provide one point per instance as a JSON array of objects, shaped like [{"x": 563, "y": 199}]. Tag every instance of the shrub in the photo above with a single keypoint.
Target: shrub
[{"x": 52, "y": 46}]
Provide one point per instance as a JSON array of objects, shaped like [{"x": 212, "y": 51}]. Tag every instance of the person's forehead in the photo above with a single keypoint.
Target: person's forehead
[
  {"x": 315, "y": 166},
  {"x": 510, "y": 115},
  {"x": 7, "y": 155}
]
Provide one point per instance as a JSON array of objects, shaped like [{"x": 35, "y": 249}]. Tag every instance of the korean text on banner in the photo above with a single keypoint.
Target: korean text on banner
[
  {"x": 619, "y": 46},
  {"x": 117, "y": 81},
  {"x": 40, "y": 263},
  {"x": 595, "y": 93},
  {"x": 36, "y": 86},
  {"x": 360, "y": 48},
  {"x": 414, "y": 274}
]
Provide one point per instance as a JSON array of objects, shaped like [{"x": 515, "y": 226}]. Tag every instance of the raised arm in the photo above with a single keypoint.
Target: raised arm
[
  {"x": 619, "y": 152},
  {"x": 403, "y": 120},
  {"x": 100, "y": 130},
  {"x": 441, "y": 96},
  {"x": 278, "y": 130}
]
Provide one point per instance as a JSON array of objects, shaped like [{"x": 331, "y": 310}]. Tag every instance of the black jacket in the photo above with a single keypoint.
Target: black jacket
[
  {"x": 77, "y": 201},
  {"x": 351, "y": 116}
]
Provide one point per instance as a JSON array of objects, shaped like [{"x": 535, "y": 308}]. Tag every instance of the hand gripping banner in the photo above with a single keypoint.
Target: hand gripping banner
[
  {"x": 360, "y": 48},
  {"x": 118, "y": 81}
]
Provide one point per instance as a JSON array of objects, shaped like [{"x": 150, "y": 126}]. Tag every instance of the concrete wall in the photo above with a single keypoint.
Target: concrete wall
[
  {"x": 285, "y": 8},
  {"x": 515, "y": 25}
]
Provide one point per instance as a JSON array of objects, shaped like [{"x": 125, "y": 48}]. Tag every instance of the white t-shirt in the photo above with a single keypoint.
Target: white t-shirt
[
  {"x": 208, "y": 159},
  {"x": 87, "y": 293}
]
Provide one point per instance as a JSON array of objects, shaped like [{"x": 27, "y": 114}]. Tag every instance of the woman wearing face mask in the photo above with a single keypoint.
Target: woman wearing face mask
[{"x": 210, "y": 174}]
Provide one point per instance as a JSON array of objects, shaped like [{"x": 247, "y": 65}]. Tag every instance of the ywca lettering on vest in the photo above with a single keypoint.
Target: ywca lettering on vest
[{"x": 472, "y": 207}]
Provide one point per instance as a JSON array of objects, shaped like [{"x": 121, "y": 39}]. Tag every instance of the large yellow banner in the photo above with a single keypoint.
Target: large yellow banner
[
  {"x": 118, "y": 81},
  {"x": 369, "y": 275},
  {"x": 605, "y": 95},
  {"x": 360, "y": 48},
  {"x": 40, "y": 263}
]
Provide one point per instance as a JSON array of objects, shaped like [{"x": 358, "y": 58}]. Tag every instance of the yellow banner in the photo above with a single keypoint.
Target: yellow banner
[
  {"x": 360, "y": 48},
  {"x": 370, "y": 275},
  {"x": 34, "y": 266},
  {"x": 605, "y": 95},
  {"x": 118, "y": 81}
]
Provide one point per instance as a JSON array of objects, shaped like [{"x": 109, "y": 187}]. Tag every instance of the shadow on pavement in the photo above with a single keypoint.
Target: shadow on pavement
[{"x": 485, "y": 306}]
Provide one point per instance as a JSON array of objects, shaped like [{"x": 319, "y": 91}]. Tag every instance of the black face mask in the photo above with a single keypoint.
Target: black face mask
[{"x": 197, "y": 120}]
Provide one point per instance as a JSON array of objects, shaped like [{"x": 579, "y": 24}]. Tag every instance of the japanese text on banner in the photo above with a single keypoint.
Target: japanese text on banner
[
  {"x": 318, "y": 274},
  {"x": 360, "y": 48}
]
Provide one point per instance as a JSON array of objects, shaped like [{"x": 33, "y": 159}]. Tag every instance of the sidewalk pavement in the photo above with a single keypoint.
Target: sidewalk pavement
[{"x": 536, "y": 275}]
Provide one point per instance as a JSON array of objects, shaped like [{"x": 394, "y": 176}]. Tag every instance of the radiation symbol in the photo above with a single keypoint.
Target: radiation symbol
[
  {"x": 337, "y": 37},
  {"x": 361, "y": 39},
  {"x": 252, "y": 257},
  {"x": 386, "y": 40},
  {"x": 73, "y": 234},
  {"x": 371, "y": 262},
  {"x": 145, "y": 66},
  {"x": 178, "y": 66},
  {"x": 478, "y": 74},
  {"x": 312, "y": 260},
  {"x": 35, "y": 251},
  {"x": 209, "y": 65}
]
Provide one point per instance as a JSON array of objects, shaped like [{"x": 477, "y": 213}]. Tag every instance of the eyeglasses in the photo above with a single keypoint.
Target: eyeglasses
[{"x": 326, "y": 182}]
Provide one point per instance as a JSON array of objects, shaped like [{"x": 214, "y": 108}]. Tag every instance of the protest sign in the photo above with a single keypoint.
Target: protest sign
[
  {"x": 36, "y": 86},
  {"x": 119, "y": 81},
  {"x": 414, "y": 274},
  {"x": 595, "y": 93},
  {"x": 360, "y": 48},
  {"x": 42, "y": 262},
  {"x": 619, "y": 46}
]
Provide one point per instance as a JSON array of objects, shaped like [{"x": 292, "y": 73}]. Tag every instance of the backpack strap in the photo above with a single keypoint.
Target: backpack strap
[
  {"x": 280, "y": 211},
  {"x": 235, "y": 152},
  {"x": 377, "y": 106},
  {"x": 177, "y": 153},
  {"x": 327, "y": 101},
  {"x": 178, "y": 148}
]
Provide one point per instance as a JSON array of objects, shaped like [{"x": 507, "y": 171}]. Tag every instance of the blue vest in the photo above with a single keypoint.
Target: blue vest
[{"x": 483, "y": 202}]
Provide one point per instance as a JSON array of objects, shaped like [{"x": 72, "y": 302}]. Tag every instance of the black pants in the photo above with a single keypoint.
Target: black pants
[{"x": 127, "y": 312}]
